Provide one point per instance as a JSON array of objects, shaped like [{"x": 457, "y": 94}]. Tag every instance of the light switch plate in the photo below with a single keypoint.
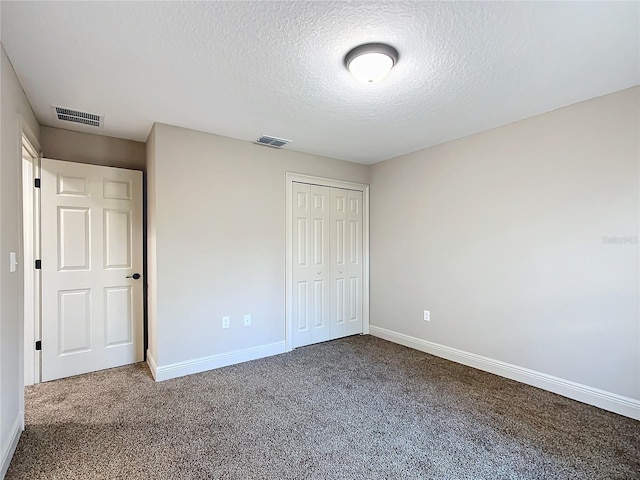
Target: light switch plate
[
  {"x": 247, "y": 320},
  {"x": 13, "y": 262}
]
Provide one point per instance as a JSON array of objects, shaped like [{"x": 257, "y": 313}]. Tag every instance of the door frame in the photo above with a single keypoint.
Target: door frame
[
  {"x": 30, "y": 250},
  {"x": 290, "y": 178}
]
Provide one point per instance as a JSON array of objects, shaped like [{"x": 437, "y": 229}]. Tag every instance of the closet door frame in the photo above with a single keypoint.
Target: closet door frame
[{"x": 290, "y": 179}]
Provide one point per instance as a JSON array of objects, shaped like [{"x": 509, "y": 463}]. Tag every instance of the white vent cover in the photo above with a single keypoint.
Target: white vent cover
[
  {"x": 272, "y": 141},
  {"x": 70, "y": 115}
]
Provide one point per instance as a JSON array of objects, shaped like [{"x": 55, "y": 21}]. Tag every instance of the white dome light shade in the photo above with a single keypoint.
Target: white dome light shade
[
  {"x": 371, "y": 62},
  {"x": 370, "y": 67}
]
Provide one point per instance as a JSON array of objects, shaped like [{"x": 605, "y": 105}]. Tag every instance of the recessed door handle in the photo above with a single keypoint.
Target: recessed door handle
[{"x": 135, "y": 276}]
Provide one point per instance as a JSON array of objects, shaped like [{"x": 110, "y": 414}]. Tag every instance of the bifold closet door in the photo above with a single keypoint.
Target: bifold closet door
[
  {"x": 310, "y": 264},
  {"x": 327, "y": 263},
  {"x": 346, "y": 262}
]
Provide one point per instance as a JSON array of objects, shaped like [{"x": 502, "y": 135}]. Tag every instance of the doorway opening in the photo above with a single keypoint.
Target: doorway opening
[{"x": 83, "y": 302}]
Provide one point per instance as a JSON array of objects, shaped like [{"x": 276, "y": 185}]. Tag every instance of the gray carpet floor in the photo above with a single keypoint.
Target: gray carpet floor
[{"x": 355, "y": 408}]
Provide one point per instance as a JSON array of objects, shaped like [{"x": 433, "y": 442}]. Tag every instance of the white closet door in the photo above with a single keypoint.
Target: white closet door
[
  {"x": 320, "y": 274},
  {"x": 346, "y": 262},
  {"x": 327, "y": 263},
  {"x": 91, "y": 247},
  {"x": 311, "y": 264}
]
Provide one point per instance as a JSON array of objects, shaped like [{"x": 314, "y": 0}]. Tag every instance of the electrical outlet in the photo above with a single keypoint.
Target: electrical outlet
[
  {"x": 427, "y": 316},
  {"x": 247, "y": 320},
  {"x": 13, "y": 262},
  {"x": 226, "y": 322}
]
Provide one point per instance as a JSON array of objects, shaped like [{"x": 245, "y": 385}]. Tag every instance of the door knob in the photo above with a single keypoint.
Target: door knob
[
  {"x": 135, "y": 276},
  {"x": 319, "y": 272},
  {"x": 340, "y": 270}
]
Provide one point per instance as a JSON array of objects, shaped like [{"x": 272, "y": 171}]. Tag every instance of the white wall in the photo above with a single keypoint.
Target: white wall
[
  {"x": 219, "y": 214},
  {"x": 14, "y": 106},
  {"x": 503, "y": 237},
  {"x": 82, "y": 147}
]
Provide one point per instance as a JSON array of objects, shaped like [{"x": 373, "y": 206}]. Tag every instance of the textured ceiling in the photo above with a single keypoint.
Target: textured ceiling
[{"x": 243, "y": 69}]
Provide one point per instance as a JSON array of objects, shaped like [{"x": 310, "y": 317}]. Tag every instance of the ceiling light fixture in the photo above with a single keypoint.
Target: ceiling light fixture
[{"x": 371, "y": 62}]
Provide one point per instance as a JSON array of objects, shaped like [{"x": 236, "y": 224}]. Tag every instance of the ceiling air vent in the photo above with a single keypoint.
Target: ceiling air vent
[
  {"x": 70, "y": 115},
  {"x": 272, "y": 141}
]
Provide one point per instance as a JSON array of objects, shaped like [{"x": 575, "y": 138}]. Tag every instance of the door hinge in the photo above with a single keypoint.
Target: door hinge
[
  {"x": 39, "y": 345},
  {"x": 38, "y": 264},
  {"x": 37, "y": 183}
]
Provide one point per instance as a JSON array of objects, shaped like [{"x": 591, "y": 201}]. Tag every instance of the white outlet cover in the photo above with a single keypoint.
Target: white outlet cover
[
  {"x": 13, "y": 262},
  {"x": 225, "y": 322},
  {"x": 427, "y": 316},
  {"x": 247, "y": 320}
]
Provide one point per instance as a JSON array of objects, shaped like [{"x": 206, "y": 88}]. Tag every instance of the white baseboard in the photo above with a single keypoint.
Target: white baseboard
[
  {"x": 612, "y": 402},
  {"x": 197, "y": 365},
  {"x": 9, "y": 448},
  {"x": 153, "y": 366}
]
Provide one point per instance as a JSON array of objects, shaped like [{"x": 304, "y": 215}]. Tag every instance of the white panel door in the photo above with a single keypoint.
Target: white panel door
[
  {"x": 327, "y": 263},
  {"x": 310, "y": 264},
  {"x": 301, "y": 267},
  {"x": 91, "y": 248},
  {"x": 346, "y": 262},
  {"x": 320, "y": 325}
]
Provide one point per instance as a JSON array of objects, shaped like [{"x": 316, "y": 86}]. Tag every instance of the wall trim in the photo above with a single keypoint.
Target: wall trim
[
  {"x": 202, "y": 364},
  {"x": 612, "y": 402},
  {"x": 151, "y": 363},
  {"x": 10, "y": 447}
]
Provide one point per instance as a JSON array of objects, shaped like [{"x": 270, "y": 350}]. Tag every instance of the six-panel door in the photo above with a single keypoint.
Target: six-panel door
[{"x": 91, "y": 243}]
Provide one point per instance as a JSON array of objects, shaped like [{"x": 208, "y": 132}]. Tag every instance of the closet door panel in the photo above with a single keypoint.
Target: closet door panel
[
  {"x": 339, "y": 249},
  {"x": 301, "y": 264},
  {"x": 354, "y": 268},
  {"x": 319, "y": 272}
]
